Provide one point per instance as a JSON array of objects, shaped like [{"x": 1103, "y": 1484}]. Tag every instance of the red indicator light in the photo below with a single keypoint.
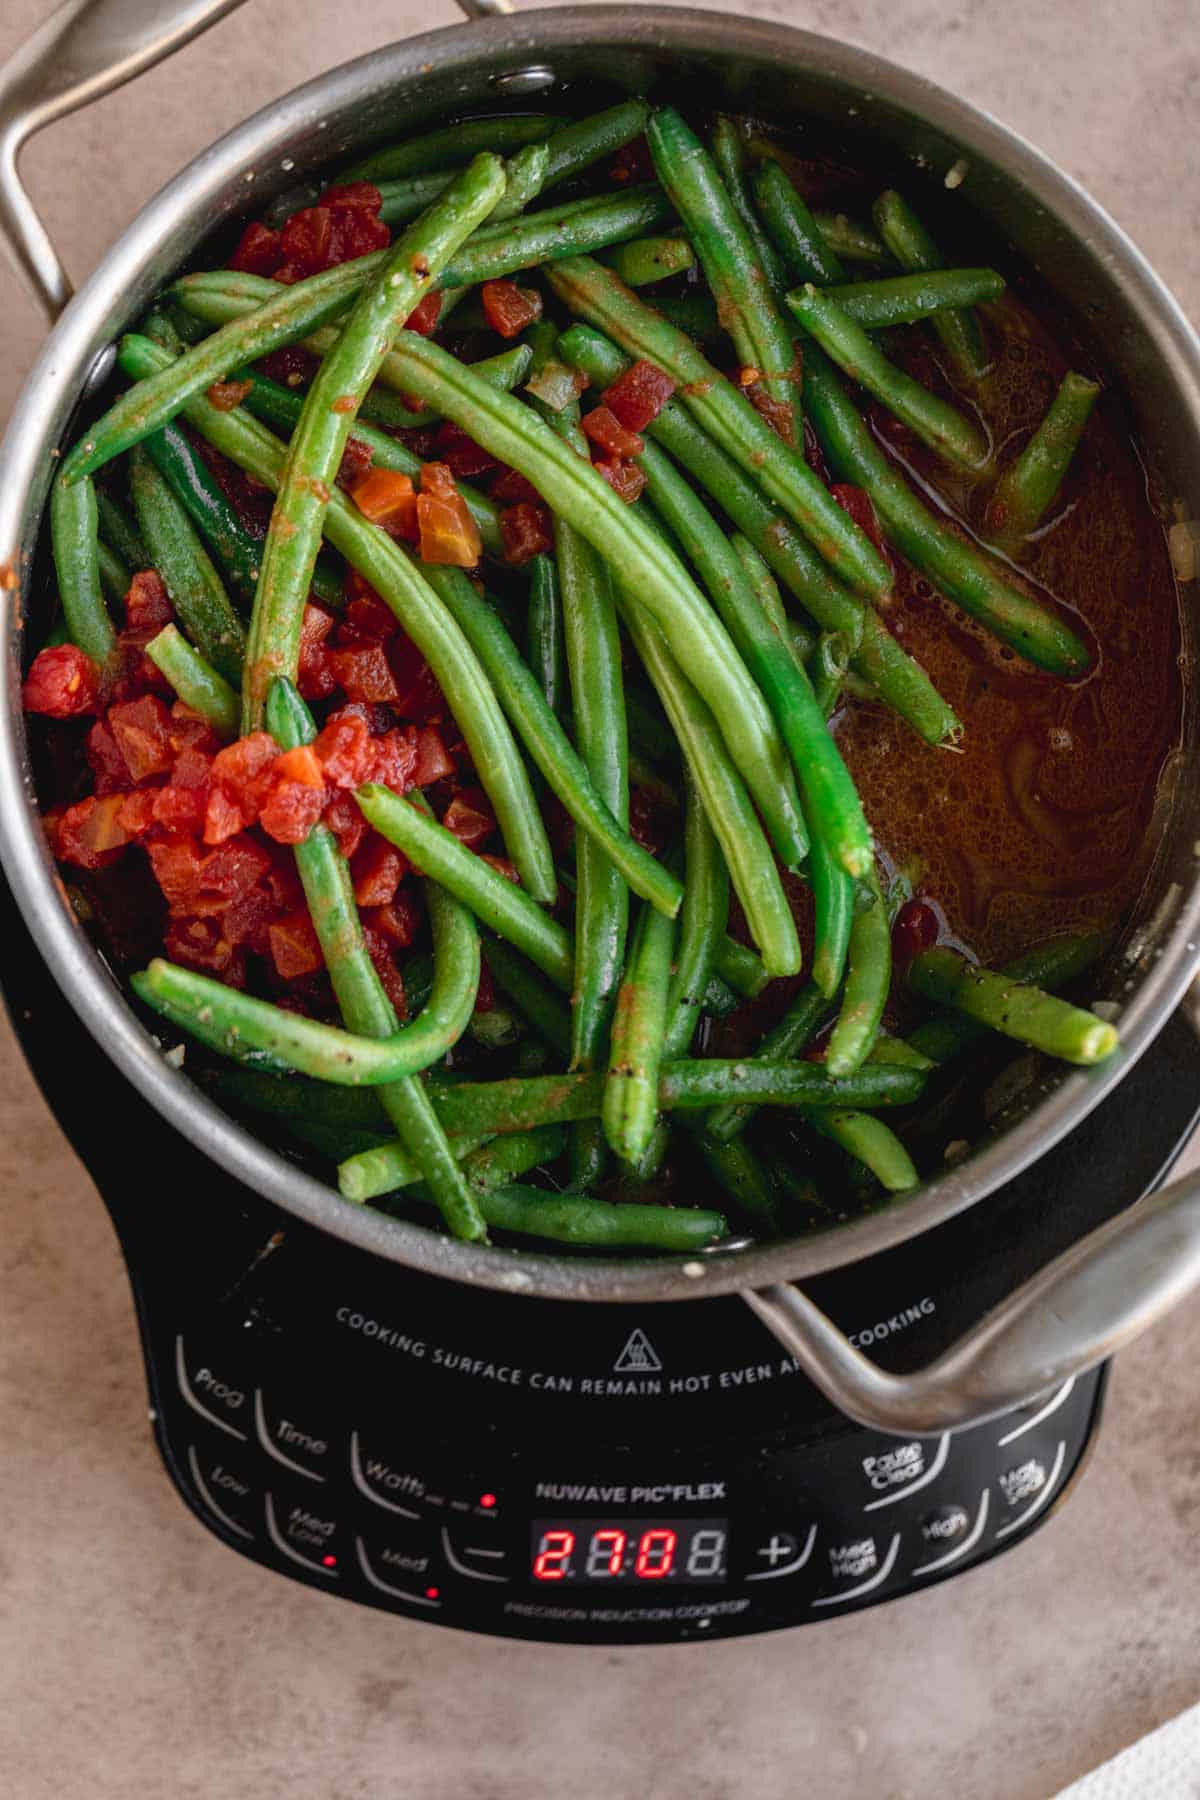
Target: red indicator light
[
  {"x": 330, "y": 1562},
  {"x": 488, "y": 1500},
  {"x": 433, "y": 1593}
]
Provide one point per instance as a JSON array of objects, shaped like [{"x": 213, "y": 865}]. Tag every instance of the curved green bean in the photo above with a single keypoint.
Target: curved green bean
[
  {"x": 73, "y": 538},
  {"x": 702, "y": 922},
  {"x": 594, "y": 292},
  {"x": 195, "y": 681},
  {"x": 1013, "y": 1008},
  {"x": 795, "y": 232},
  {"x": 630, "y": 1105},
  {"x": 831, "y": 659},
  {"x": 867, "y": 982},
  {"x": 933, "y": 420},
  {"x": 738, "y": 965},
  {"x": 907, "y": 299},
  {"x": 959, "y": 569},
  {"x": 729, "y": 153},
  {"x": 197, "y": 592},
  {"x": 1025, "y": 491},
  {"x": 914, "y": 249},
  {"x": 786, "y": 1039},
  {"x": 850, "y": 240},
  {"x": 871, "y": 1142}
]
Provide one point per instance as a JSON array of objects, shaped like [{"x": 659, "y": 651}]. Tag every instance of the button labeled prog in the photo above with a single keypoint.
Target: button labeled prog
[{"x": 212, "y": 1387}]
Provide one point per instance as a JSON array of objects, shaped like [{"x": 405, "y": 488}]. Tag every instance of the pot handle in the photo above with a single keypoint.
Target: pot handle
[
  {"x": 1074, "y": 1313},
  {"x": 83, "y": 50}
]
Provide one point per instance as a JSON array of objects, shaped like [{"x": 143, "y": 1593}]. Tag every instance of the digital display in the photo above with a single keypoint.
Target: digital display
[{"x": 629, "y": 1552}]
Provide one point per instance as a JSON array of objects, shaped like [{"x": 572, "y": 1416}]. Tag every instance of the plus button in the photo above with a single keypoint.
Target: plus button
[{"x": 777, "y": 1549}]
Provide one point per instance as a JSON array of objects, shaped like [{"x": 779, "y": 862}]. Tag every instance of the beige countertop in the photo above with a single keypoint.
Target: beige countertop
[{"x": 139, "y": 1657}]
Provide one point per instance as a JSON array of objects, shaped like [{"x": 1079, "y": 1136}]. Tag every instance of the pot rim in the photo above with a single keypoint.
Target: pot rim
[{"x": 92, "y": 319}]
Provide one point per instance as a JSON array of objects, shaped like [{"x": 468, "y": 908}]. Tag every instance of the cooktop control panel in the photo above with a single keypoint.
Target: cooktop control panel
[{"x": 608, "y": 1542}]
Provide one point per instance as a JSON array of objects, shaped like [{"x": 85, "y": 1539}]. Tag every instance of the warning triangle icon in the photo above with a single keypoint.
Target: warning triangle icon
[{"x": 638, "y": 1356}]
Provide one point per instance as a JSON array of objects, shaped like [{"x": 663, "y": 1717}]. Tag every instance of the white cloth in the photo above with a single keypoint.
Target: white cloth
[{"x": 1163, "y": 1766}]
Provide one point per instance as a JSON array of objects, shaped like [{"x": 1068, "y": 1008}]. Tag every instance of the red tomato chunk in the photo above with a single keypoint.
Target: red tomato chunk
[
  {"x": 141, "y": 729},
  {"x": 626, "y": 479},
  {"x": 147, "y": 604},
  {"x": 62, "y": 682},
  {"x": 509, "y": 308},
  {"x": 525, "y": 532},
  {"x": 606, "y": 431},
  {"x": 638, "y": 395}
]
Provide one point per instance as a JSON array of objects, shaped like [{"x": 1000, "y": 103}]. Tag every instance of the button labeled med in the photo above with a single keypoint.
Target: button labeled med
[{"x": 305, "y": 1533}]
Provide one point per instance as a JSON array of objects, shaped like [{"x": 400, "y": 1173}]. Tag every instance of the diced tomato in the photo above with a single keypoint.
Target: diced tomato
[
  {"x": 142, "y": 731},
  {"x": 419, "y": 696},
  {"x": 147, "y": 604},
  {"x": 317, "y": 680},
  {"x": 502, "y": 866},
  {"x": 363, "y": 671},
  {"x": 241, "y": 766},
  {"x": 423, "y": 319},
  {"x": 525, "y": 532},
  {"x": 633, "y": 162},
  {"x": 138, "y": 812},
  {"x": 346, "y": 751},
  {"x": 245, "y": 920},
  {"x": 231, "y": 871},
  {"x": 510, "y": 486},
  {"x": 344, "y": 226},
  {"x": 377, "y": 871},
  {"x": 259, "y": 250},
  {"x": 202, "y": 944},
  {"x": 178, "y": 866},
  {"x": 365, "y": 621},
  {"x": 380, "y": 951},
  {"x": 606, "y": 431},
  {"x": 193, "y": 766},
  {"x": 226, "y": 395},
  {"x": 448, "y": 535},
  {"x": 389, "y": 499},
  {"x": 345, "y": 821},
  {"x": 357, "y": 458},
  {"x": 638, "y": 395},
  {"x": 396, "y": 758},
  {"x": 223, "y": 817},
  {"x": 917, "y": 928},
  {"x": 433, "y": 760},
  {"x": 509, "y": 308},
  {"x": 858, "y": 503},
  {"x": 471, "y": 824},
  {"x": 291, "y": 809},
  {"x": 90, "y": 834},
  {"x": 190, "y": 730},
  {"x": 626, "y": 479},
  {"x": 62, "y": 682},
  {"x": 179, "y": 809},
  {"x": 461, "y": 454},
  {"x": 398, "y": 921},
  {"x": 108, "y": 766},
  {"x": 294, "y": 947}
]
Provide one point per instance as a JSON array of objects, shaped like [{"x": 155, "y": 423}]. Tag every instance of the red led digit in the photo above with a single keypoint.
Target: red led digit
[
  {"x": 606, "y": 1552},
  {"x": 656, "y": 1553},
  {"x": 554, "y": 1553}
]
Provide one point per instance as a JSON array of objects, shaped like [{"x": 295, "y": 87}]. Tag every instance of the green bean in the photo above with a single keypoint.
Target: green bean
[
  {"x": 802, "y": 640},
  {"x": 237, "y": 551},
  {"x": 381, "y": 1168},
  {"x": 831, "y": 660},
  {"x": 786, "y": 1039},
  {"x": 896, "y": 1050},
  {"x": 546, "y": 741},
  {"x": 914, "y": 249},
  {"x": 741, "y": 288},
  {"x": 831, "y": 804},
  {"x": 545, "y": 651},
  {"x": 871, "y": 1143},
  {"x": 638, "y": 557},
  {"x": 850, "y": 240},
  {"x": 738, "y": 965},
  {"x": 763, "y": 583},
  {"x": 586, "y": 141},
  {"x": 729, "y": 154},
  {"x": 195, "y": 681},
  {"x": 427, "y": 622},
  {"x": 719, "y": 998},
  {"x": 196, "y": 590},
  {"x": 751, "y": 866},
  {"x": 589, "y": 289},
  {"x": 118, "y": 531},
  {"x": 469, "y": 1108},
  {"x": 701, "y": 924},
  {"x": 499, "y": 1028},
  {"x": 648, "y": 728},
  {"x": 643, "y": 261},
  {"x": 504, "y": 371},
  {"x": 1025, "y": 492},
  {"x": 537, "y": 1002},
  {"x": 451, "y": 145},
  {"x": 498, "y": 1162},
  {"x": 73, "y": 535},
  {"x": 365, "y": 1006},
  {"x": 1049, "y": 965},
  {"x": 507, "y": 910},
  {"x": 599, "y": 1224},
  {"x": 290, "y": 1097},
  {"x": 907, "y": 299},
  {"x": 795, "y": 232},
  {"x": 694, "y": 314},
  {"x": 630, "y": 1105},
  {"x": 901, "y": 681},
  {"x": 114, "y": 576},
  {"x": 833, "y": 918},
  {"x": 315, "y": 453},
  {"x": 957, "y": 567},
  {"x": 738, "y": 1170},
  {"x": 1013, "y": 1008},
  {"x": 524, "y": 178},
  {"x": 933, "y": 420},
  {"x": 281, "y": 407},
  {"x": 867, "y": 982}
]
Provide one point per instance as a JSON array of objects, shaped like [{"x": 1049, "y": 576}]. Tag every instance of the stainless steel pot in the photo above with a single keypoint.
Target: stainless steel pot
[{"x": 1114, "y": 1283}]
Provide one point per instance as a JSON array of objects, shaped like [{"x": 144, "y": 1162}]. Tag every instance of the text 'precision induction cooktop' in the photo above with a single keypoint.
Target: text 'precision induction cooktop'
[{"x": 597, "y": 1474}]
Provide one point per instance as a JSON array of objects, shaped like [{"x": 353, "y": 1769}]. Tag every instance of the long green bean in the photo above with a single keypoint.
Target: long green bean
[
  {"x": 701, "y": 923},
  {"x": 786, "y": 1039},
  {"x": 871, "y": 1142},
  {"x": 1048, "y": 965},
  {"x": 73, "y": 537},
  {"x": 599, "y": 1224},
  {"x": 215, "y": 518},
  {"x": 452, "y": 145},
  {"x": 850, "y": 240},
  {"x": 196, "y": 589},
  {"x": 195, "y": 681},
  {"x": 795, "y": 232},
  {"x": 1013, "y": 1008},
  {"x": 114, "y": 576},
  {"x": 595, "y": 293},
  {"x": 729, "y": 153},
  {"x": 545, "y": 651},
  {"x": 867, "y": 982},
  {"x": 956, "y": 566},
  {"x": 119, "y": 532},
  {"x": 735, "y": 1167},
  {"x": 630, "y": 1104},
  {"x": 907, "y": 299},
  {"x": 533, "y": 998},
  {"x": 914, "y": 249},
  {"x": 1025, "y": 492}
]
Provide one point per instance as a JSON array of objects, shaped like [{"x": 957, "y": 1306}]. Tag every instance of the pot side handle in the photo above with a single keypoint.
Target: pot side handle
[
  {"x": 1074, "y": 1313},
  {"x": 83, "y": 50}
]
